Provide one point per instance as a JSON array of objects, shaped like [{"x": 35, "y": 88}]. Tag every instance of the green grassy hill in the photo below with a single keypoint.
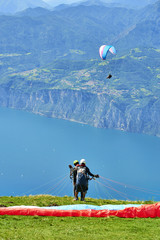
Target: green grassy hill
[
  {"x": 49, "y": 200},
  {"x": 60, "y": 228}
]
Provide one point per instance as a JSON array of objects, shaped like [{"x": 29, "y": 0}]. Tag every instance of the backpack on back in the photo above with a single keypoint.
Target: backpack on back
[{"x": 81, "y": 176}]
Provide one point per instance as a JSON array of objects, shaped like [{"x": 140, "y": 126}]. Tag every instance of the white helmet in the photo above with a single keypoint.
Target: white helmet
[{"x": 83, "y": 161}]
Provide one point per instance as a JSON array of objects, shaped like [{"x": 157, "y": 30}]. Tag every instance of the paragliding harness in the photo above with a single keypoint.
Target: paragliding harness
[
  {"x": 71, "y": 175},
  {"x": 109, "y": 76},
  {"x": 82, "y": 178},
  {"x": 72, "y": 169},
  {"x": 71, "y": 172}
]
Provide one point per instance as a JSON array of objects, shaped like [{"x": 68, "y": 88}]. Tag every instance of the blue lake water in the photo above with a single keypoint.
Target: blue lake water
[{"x": 35, "y": 152}]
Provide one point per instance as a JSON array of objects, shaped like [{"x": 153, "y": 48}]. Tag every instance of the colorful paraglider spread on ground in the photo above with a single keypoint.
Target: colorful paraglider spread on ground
[{"x": 82, "y": 210}]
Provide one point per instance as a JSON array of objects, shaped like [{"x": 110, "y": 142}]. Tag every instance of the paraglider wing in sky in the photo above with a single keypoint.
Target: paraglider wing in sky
[{"x": 104, "y": 49}]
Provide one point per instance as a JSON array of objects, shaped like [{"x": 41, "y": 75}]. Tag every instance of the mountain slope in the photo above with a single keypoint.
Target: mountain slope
[
  {"x": 145, "y": 33},
  {"x": 13, "y": 6},
  {"x": 34, "y": 12},
  {"x": 50, "y": 64},
  {"x": 111, "y": 3},
  {"x": 132, "y": 4},
  {"x": 81, "y": 29}
]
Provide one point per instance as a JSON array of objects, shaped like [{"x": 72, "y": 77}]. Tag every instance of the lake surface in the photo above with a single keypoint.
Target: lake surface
[{"x": 35, "y": 152}]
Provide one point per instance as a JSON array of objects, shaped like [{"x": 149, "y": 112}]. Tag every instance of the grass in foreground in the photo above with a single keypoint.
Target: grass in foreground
[{"x": 112, "y": 228}]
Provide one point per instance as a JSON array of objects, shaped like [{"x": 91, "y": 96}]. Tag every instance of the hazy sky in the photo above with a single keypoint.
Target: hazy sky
[{"x": 61, "y": 1}]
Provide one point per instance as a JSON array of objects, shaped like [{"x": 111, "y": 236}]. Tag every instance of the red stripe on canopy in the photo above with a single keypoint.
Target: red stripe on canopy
[{"x": 144, "y": 211}]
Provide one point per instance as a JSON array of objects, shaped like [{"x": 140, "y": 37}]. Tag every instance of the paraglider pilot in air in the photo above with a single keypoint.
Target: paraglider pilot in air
[
  {"x": 109, "y": 76},
  {"x": 103, "y": 52}
]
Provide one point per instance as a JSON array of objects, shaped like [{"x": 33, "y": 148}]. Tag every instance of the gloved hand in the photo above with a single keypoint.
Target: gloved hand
[
  {"x": 70, "y": 166},
  {"x": 97, "y": 176}
]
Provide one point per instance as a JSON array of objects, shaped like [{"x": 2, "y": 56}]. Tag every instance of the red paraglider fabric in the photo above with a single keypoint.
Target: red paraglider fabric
[{"x": 143, "y": 211}]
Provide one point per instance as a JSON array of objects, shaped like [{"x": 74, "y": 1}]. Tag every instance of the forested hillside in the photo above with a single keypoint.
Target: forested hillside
[{"x": 50, "y": 64}]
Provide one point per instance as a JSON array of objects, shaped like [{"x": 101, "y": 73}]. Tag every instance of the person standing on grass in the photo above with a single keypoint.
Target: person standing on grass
[
  {"x": 73, "y": 174},
  {"x": 82, "y": 177}
]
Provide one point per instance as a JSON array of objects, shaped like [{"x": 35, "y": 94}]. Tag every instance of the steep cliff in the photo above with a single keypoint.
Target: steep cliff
[{"x": 98, "y": 110}]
